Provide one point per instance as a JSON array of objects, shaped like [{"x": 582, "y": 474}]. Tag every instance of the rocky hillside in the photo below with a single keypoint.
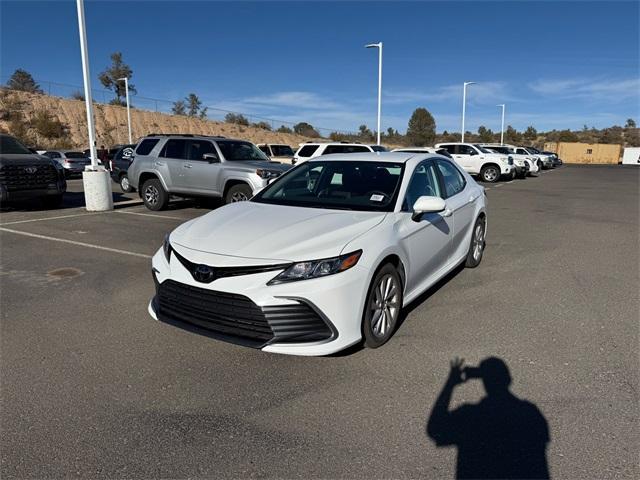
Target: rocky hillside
[{"x": 44, "y": 122}]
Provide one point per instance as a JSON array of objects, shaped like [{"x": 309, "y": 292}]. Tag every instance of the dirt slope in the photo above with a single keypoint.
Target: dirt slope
[{"x": 111, "y": 123}]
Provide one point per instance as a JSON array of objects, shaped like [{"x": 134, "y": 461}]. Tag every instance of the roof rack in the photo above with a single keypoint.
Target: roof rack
[{"x": 182, "y": 135}]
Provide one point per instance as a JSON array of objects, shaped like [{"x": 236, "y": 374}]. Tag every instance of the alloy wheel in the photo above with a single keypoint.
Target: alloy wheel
[
  {"x": 385, "y": 305},
  {"x": 124, "y": 183},
  {"x": 239, "y": 197},
  {"x": 151, "y": 195},
  {"x": 478, "y": 241},
  {"x": 490, "y": 174}
]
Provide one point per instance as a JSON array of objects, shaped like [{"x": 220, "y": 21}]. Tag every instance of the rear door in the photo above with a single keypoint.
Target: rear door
[
  {"x": 171, "y": 163},
  {"x": 200, "y": 176}
]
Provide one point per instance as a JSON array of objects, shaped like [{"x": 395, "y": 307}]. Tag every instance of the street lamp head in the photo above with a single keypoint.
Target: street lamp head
[
  {"x": 123, "y": 79},
  {"x": 373, "y": 45},
  {"x": 469, "y": 83}
]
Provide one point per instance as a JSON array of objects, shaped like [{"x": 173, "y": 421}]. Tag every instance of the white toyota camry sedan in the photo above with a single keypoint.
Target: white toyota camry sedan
[{"x": 325, "y": 256}]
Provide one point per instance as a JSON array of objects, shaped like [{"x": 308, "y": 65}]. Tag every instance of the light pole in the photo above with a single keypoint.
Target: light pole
[
  {"x": 126, "y": 91},
  {"x": 379, "y": 47},
  {"x": 502, "y": 125},
  {"x": 96, "y": 181},
  {"x": 464, "y": 104}
]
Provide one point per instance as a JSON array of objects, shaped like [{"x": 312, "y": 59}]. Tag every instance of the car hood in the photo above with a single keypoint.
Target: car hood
[
  {"x": 23, "y": 159},
  {"x": 274, "y": 232}
]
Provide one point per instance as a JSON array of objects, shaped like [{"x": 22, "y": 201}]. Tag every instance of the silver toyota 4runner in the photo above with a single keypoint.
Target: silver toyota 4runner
[{"x": 199, "y": 166}]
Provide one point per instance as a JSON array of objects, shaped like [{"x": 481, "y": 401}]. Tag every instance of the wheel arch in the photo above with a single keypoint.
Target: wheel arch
[
  {"x": 232, "y": 182},
  {"x": 147, "y": 175}
]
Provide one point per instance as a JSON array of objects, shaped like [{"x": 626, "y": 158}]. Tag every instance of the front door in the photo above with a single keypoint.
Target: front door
[{"x": 200, "y": 176}]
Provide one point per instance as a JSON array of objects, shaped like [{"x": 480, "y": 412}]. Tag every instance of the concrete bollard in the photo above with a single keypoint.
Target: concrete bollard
[{"x": 97, "y": 190}]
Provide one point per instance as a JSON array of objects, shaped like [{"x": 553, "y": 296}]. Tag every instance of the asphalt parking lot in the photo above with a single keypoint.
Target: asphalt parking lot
[{"x": 93, "y": 387}]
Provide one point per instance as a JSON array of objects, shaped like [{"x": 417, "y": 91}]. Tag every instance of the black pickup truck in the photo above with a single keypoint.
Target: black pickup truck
[{"x": 24, "y": 175}]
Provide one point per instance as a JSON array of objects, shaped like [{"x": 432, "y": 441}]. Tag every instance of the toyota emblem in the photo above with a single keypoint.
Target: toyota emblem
[
  {"x": 31, "y": 169},
  {"x": 204, "y": 273}
]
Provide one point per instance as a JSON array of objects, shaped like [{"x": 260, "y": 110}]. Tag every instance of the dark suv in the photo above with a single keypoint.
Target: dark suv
[
  {"x": 24, "y": 175},
  {"x": 120, "y": 161}
]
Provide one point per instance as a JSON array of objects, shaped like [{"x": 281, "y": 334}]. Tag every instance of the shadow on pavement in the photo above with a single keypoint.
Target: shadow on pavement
[{"x": 502, "y": 436}]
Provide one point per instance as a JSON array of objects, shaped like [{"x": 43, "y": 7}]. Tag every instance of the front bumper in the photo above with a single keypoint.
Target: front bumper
[
  {"x": 310, "y": 317},
  {"x": 21, "y": 195},
  {"x": 507, "y": 169}
]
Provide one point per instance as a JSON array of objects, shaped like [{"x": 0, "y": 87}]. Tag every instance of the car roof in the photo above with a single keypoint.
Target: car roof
[
  {"x": 391, "y": 157},
  {"x": 336, "y": 143}
]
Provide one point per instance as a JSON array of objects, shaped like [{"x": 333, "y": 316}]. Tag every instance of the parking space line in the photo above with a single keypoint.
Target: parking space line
[
  {"x": 51, "y": 218},
  {"x": 150, "y": 215},
  {"x": 73, "y": 242}
]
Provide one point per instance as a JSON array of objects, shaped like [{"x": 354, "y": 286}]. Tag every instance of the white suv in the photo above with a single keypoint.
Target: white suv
[
  {"x": 277, "y": 152},
  {"x": 312, "y": 149},
  {"x": 526, "y": 165},
  {"x": 477, "y": 160}
]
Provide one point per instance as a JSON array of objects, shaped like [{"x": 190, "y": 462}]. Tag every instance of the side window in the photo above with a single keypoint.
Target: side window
[
  {"x": 174, "y": 148},
  {"x": 197, "y": 148},
  {"x": 424, "y": 181},
  {"x": 146, "y": 146},
  {"x": 453, "y": 180},
  {"x": 521, "y": 151},
  {"x": 307, "y": 150},
  {"x": 334, "y": 149},
  {"x": 465, "y": 150},
  {"x": 265, "y": 149}
]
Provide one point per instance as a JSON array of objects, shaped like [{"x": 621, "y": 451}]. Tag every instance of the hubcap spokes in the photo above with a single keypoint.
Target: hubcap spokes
[
  {"x": 478, "y": 242},
  {"x": 385, "y": 304},
  {"x": 239, "y": 197},
  {"x": 151, "y": 195}
]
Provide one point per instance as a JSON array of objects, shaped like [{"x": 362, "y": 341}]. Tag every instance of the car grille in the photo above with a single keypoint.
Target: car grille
[
  {"x": 17, "y": 177},
  {"x": 236, "y": 318}
]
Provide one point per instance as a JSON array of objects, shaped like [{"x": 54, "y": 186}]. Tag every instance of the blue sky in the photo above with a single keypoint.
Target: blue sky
[{"x": 555, "y": 64}]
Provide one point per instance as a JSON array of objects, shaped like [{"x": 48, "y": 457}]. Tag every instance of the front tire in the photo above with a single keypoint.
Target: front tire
[
  {"x": 476, "y": 249},
  {"x": 382, "y": 309},
  {"x": 154, "y": 195},
  {"x": 238, "y": 193},
  {"x": 490, "y": 173},
  {"x": 125, "y": 186}
]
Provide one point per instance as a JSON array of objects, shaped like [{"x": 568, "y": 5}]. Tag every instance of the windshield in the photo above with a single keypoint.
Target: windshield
[
  {"x": 483, "y": 150},
  {"x": 504, "y": 150},
  {"x": 378, "y": 148},
  {"x": 75, "y": 155},
  {"x": 12, "y": 146},
  {"x": 282, "y": 151},
  {"x": 344, "y": 185},
  {"x": 237, "y": 150},
  {"x": 533, "y": 150}
]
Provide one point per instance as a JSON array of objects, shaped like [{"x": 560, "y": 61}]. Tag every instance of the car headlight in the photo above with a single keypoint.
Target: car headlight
[
  {"x": 166, "y": 247},
  {"x": 267, "y": 174},
  {"x": 317, "y": 268}
]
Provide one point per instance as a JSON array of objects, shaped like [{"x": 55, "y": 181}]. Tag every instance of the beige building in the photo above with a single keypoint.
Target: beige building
[{"x": 571, "y": 152}]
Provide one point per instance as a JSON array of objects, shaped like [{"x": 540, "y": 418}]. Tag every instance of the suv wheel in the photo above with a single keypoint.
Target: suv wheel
[
  {"x": 238, "y": 193},
  {"x": 490, "y": 173},
  {"x": 154, "y": 195},
  {"x": 382, "y": 310},
  {"x": 125, "y": 186}
]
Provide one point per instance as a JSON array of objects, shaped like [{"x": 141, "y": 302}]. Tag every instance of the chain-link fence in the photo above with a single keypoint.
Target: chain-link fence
[{"x": 101, "y": 95}]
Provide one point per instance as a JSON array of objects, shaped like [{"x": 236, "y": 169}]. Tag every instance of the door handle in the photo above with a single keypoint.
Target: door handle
[
  {"x": 159, "y": 164},
  {"x": 186, "y": 165},
  {"x": 446, "y": 213}
]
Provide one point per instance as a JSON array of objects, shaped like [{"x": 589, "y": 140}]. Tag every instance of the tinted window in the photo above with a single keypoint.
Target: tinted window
[
  {"x": 424, "y": 181},
  {"x": 449, "y": 148},
  {"x": 378, "y": 148},
  {"x": 521, "y": 151},
  {"x": 307, "y": 150},
  {"x": 282, "y": 151},
  {"x": 52, "y": 154},
  {"x": 11, "y": 145},
  {"x": 238, "y": 150},
  {"x": 344, "y": 185},
  {"x": 453, "y": 180},
  {"x": 197, "y": 148},
  {"x": 264, "y": 149},
  {"x": 465, "y": 150},
  {"x": 483, "y": 150},
  {"x": 75, "y": 155},
  {"x": 344, "y": 149},
  {"x": 174, "y": 148},
  {"x": 146, "y": 146}
]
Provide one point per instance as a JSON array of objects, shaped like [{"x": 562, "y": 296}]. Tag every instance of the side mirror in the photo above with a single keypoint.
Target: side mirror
[
  {"x": 473, "y": 152},
  {"x": 427, "y": 204},
  {"x": 211, "y": 157}
]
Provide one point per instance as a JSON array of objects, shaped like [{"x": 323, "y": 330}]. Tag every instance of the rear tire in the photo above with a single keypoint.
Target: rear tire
[
  {"x": 490, "y": 173},
  {"x": 125, "y": 186},
  {"x": 154, "y": 195},
  {"x": 476, "y": 249},
  {"x": 383, "y": 306},
  {"x": 238, "y": 193}
]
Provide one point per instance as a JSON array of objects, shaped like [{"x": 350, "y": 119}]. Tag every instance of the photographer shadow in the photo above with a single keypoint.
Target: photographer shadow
[{"x": 502, "y": 436}]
